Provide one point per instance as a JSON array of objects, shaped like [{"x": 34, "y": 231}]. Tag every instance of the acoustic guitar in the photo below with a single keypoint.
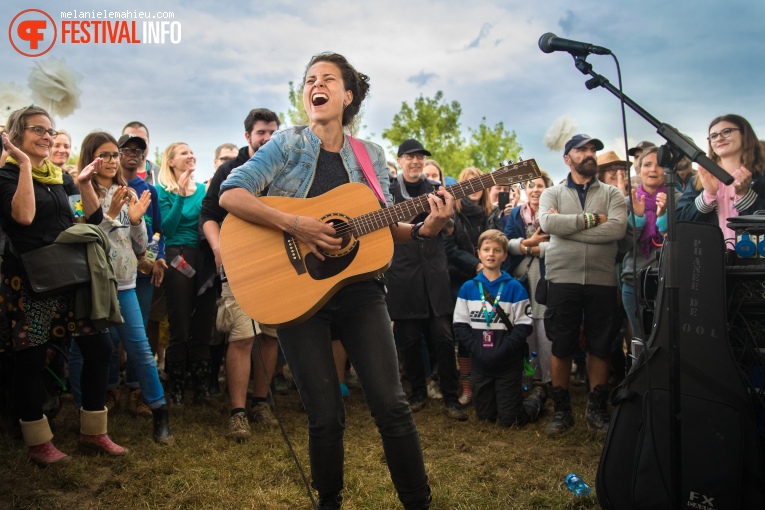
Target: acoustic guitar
[{"x": 277, "y": 280}]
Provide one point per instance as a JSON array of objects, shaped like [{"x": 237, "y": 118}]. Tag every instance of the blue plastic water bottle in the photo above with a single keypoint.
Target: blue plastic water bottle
[{"x": 578, "y": 486}]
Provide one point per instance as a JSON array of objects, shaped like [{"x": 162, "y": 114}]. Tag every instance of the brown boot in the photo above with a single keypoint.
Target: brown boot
[
  {"x": 137, "y": 405},
  {"x": 112, "y": 402}
]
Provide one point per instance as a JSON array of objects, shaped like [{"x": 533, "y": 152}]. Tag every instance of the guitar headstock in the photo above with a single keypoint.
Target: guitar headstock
[{"x": 517, "y": 172}]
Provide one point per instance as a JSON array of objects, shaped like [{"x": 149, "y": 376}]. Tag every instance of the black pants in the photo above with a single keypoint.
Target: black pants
[
  {"x": 29, "y": 366},
  {"x": 410, "y": 332}
]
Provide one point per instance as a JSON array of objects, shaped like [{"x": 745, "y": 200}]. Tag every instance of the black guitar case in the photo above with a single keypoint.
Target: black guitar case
[{"x": 721, "y": 455}]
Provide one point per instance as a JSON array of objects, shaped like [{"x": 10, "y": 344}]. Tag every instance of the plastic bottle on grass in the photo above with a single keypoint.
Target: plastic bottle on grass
[
  {"x": 578, "y": 486},
  {"x": 529, "y": 368}
]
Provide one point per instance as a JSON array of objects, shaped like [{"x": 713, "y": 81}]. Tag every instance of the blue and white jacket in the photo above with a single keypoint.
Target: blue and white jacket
[{"x": 470, "y": 323}]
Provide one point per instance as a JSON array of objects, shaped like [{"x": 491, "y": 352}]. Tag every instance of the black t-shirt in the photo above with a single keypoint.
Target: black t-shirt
[{"x": 330, "y": 173}]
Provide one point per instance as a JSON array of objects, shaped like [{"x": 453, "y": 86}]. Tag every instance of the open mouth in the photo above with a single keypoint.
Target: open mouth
[{"x": 319, "y": 99}]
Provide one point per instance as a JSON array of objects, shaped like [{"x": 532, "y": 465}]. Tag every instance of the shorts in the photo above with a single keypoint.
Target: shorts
[
  {"x": 232, "y": 320},
  {"x": 571, "y": 305}
]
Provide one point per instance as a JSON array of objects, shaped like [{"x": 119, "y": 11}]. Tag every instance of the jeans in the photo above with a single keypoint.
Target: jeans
[
  {"x": 630, "y": 308},
  {"x": 358, "y": 316},
  {"x": 144, "y": 291},
  {"x": 133, "y": 337},
  {"x": 410, "y": 332}
]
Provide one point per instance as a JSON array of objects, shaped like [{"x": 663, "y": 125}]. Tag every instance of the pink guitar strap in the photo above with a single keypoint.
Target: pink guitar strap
[{"x": 366, "y": 166}]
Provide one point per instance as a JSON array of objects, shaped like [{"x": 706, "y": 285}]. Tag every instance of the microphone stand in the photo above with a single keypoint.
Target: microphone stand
[{"x": 669, "y": 154}]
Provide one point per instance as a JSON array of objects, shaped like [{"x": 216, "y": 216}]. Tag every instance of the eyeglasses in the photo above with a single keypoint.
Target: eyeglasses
[
  {"x": 40, "y": 131},
  {"x": 725, "y": 133},
  {"x": 409, "y": 157},
  {"x": 612, "y": 169},
  {"x": 126, "y": 151},
  {"x": 225, "y": 158},
  {"x": 106, "y": 156}
]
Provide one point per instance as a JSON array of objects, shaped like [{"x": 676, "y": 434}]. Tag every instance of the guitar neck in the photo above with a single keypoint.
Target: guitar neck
[{"x": 507, "y": 175}]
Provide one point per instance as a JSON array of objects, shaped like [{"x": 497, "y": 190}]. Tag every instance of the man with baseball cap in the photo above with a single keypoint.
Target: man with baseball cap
[
  {"x": 419, "y": 300},
  {"x": 585, "y": 218},
  {"x": 637, "y": 150}
]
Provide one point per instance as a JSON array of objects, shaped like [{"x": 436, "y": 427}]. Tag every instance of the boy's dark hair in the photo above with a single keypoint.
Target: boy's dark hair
[
  {"x": 257, "y": 114},
  {"x": 495, "y": 236}
]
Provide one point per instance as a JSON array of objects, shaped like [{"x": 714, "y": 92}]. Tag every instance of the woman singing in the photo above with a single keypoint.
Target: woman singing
[{"x": 307, "y": 161}]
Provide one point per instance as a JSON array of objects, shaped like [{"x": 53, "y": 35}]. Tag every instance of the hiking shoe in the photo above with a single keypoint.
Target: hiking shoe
[
  {"x": 417, "y": 401},
  {"x": 562, "y": 419},
  {"x": 597, "y": 416},
  {"x": 261, "y": 413},
  {"x": 456, "y": 412},
  {"x": 238, "y": 428},
  {"x": 112, "y": 401},
  {"x": 434, "y": 392},
  {"x": 137, "y": 405},
  {"x": 280, "y": 384}
]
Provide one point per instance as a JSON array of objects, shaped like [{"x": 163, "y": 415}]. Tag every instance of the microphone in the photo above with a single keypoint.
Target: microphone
[{"x": 550, "y": 42}]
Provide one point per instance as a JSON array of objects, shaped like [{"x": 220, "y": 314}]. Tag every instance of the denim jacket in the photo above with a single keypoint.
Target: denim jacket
[{"x": 287, "y": 163}]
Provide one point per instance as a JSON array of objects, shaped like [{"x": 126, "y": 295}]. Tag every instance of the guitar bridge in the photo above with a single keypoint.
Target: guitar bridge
[{"x": 293, "y": 253}]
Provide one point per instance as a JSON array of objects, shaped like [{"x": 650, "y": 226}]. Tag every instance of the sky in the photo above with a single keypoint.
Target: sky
[{"x": 683, "y": 61}]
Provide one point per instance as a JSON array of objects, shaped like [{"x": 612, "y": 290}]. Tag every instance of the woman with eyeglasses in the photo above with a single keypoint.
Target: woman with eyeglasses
[
  {"x": 189, "y": 295},
  {"x": 613, "y": 171},
  {"x": 526, "y": 250},
  {"x": 123, "y": 222},
  {"x": 734, "y": 146},
  {"x": 34, "y": 194}
]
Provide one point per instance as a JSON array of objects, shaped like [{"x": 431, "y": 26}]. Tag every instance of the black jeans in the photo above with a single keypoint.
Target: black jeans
[
  {"x": 440, "y": 327},
  {"x": 358, "y": 316},
  {"x": 30, "y": 364},
  {"x": 190, "y": 317}
]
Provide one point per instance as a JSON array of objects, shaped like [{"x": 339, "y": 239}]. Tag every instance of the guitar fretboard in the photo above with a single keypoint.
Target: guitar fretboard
[{"x": 505, "y": 176}]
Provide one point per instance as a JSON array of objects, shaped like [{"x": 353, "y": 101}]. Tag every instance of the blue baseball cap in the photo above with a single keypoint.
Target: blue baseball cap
[{"x": 580, "y": 140}]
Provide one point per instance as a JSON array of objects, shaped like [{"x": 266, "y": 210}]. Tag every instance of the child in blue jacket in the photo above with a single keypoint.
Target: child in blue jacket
[{"x": 496, "y": 352}]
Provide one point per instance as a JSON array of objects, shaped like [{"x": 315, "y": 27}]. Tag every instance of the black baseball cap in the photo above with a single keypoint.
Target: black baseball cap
[
  {"x": 411, "y": 146},
  {"x": 640, "y": 147},
  {"x": 127, "y": 138},
  {"x": 580, "y": 140}
]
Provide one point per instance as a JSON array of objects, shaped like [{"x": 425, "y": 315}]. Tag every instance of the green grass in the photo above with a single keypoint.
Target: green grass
[{"x": 471, "y": 465}]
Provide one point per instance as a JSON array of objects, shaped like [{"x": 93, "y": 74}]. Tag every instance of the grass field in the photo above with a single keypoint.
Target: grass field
[{"x": 472, "y": 465}]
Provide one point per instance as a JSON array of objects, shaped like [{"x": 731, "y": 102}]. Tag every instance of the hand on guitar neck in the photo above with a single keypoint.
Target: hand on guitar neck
[{"x": 441, "y": 209}]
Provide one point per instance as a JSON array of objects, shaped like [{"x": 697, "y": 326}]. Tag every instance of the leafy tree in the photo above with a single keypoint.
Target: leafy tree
[
  {"x": 436, "y": 124},
  {"x": 488, "y": 146}
]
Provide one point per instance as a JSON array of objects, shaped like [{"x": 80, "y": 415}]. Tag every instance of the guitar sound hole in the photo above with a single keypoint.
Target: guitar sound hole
[{"x": 348, "y": 241}]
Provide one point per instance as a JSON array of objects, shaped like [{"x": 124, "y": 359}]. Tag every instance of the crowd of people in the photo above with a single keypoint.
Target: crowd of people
[{"x": 475, "y": 284}]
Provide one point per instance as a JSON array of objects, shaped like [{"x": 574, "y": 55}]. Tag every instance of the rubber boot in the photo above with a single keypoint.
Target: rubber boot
[
  {"x": 562, "y": 418},
  {"x": 177, "y": 374},
  {"x": 93, "y": 433},
  {"x": 200, "y": 381},
  {"x": 37, "y": 437},
  {"x": 162, "y": 434},
  {"x": 330, "y": 501}
]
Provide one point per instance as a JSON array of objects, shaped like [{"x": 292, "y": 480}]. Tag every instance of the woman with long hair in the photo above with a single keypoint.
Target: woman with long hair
[
  {"x": 471, "y": 215},
  {"x": 124, "y": 224},
  {"x": 734, "y": 146},
  {"x": 34, "y": 194},
  {"x": 189, "y": 293},
  {"x": 527, "y": 252},
  {"x": 307, "y": 161}
]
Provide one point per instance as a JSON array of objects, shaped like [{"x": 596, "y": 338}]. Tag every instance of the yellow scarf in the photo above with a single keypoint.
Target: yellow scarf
[{"x": 48, "y": 173}]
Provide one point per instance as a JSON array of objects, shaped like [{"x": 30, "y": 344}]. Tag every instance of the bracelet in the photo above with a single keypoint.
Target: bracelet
[
  {"x": 415, "y": 233},
  {"x": 597, "y": 219},
  {"x": 294, "y": 225}
]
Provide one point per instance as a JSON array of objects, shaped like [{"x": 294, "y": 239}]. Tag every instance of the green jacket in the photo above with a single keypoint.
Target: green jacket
[{"x": 99, "y": 301}]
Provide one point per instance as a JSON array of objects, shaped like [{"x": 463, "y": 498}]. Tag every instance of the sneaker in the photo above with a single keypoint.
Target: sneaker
[
  {"x": 112, "y": 402},
  {"x": 597, "y": 416},
  {"x": 417, "y": 401},
  {"x": 137, "y": 405},
  {"x": 344, "y": 391},
  {"x": 465, "y": 399},
  {"x": 434, "y": 392},
  {"x": 455, "y": 411},
  {"x": 261, "y": 413},
  {"x": 238, "y": 428},
  {"x": 281, "y": 386},
  {"x": 580, "y": 374}
]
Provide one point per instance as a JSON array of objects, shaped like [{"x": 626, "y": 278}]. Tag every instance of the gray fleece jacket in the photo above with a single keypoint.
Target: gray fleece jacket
[{"x": 576, "y": 254}]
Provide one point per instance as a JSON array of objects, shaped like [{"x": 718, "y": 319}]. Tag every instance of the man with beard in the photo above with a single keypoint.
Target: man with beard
[
  {"x": 259, "y": 125},
  {"x": 585, "y": 218}
]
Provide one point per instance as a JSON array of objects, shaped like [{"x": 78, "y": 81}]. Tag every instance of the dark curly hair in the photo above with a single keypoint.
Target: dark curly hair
[{"x": 356, "y": 82}]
